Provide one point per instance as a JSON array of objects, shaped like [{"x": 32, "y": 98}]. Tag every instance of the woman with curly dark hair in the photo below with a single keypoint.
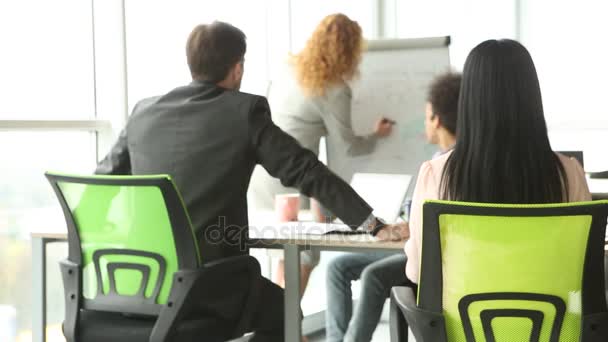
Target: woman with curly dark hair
[{"x": 312, "y": 99}]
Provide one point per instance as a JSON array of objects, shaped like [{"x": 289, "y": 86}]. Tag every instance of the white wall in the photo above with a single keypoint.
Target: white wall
[
  {"x": 567, "y": 40},
  {"x": 306, "y": 15},
  {"x": 468, "y": 22}
]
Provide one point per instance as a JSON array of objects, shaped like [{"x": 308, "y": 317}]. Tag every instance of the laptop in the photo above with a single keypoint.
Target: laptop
[{"x": 384, "y": 192}]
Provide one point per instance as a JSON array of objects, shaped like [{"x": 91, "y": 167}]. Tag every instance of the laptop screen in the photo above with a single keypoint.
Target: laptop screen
[{"x": 384, "y": 192}]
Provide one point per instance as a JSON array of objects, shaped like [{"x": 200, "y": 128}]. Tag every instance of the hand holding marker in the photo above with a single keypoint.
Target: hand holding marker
[{"x": 384, "y": 127}]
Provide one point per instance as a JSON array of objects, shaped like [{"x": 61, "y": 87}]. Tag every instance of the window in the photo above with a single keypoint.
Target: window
[
  {"x": 47, "y": 122},
  {"x": 47, "y": 59},
  {"x": 27, "y": 203}
]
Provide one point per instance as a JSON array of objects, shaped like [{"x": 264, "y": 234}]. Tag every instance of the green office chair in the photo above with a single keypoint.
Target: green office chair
[
  {"x": 492, "y": 272},
  {"x": 133, "y": 271}
]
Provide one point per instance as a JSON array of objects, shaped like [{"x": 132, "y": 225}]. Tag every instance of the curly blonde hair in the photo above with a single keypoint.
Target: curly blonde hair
[{"x": 331, "y": 55}]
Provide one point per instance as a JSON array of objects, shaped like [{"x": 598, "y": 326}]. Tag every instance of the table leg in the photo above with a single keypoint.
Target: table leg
[
  {"x": 39, "y": 289},
  {"x": 293, "y": 319}
]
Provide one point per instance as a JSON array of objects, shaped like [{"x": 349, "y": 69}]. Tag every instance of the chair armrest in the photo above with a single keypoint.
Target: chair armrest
[
  {"x": 426, "y": 326},
  {"x": 398, "y": 324},
  {"x": 595, "y": 327},
  {"x": 193, "y": 288},
  {"x": 72, "y": 287}
]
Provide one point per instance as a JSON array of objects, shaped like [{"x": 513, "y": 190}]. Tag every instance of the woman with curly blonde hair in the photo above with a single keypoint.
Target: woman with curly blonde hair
[
  {"x": 331, "y": 56},
  {"x": 311, "y": 100}
]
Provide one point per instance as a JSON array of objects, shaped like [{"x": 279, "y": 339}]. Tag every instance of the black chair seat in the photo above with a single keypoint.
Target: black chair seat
[{"x": 98, "y": 326}]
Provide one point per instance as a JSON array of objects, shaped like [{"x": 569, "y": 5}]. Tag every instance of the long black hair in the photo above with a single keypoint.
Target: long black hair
[{"x": 502, "y": 152}]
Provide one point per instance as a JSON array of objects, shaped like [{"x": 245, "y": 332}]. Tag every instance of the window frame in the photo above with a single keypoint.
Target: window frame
[{"x": 108, "y": 115}]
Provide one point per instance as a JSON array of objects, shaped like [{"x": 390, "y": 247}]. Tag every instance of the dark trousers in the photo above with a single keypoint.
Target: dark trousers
[
  {"x": 268, "y": 323},
  {"x": 243, "y": 299}
]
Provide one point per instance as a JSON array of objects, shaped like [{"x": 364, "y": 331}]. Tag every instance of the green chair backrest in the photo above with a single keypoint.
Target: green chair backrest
[
  {"x": 129, "y": 234},
  {"x": 513, "y": 272}
]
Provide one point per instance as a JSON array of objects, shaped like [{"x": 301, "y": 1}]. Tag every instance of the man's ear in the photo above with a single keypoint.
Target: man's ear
[
  {"x": 436, "y": 121},
  {"x": 238, "y": 71}
]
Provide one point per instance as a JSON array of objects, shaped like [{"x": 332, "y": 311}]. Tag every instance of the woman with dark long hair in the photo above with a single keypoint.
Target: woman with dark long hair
[{"x": 502, "y": 152}]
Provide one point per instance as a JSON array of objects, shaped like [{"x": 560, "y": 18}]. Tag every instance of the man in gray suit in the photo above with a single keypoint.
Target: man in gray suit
[{"x": 209, "y": 136}]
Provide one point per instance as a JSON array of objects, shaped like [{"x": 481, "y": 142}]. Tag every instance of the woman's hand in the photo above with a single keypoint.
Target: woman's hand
[
  {"x": 394, "y": 232},
  {"x": 383, "y": 127}
]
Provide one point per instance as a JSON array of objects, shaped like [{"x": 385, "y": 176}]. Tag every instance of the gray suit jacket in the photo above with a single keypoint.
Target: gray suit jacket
[{"x": 209, "y": 139}]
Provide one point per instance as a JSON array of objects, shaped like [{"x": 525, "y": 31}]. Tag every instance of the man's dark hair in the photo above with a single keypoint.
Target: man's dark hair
[
  {"x": 443, "y": 96},
  {"x": 213, "y": 49}
]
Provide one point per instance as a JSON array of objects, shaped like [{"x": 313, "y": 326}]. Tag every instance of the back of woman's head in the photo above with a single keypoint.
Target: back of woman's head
[
  {"x": 502, "y": 151},
  {"x": 331, "y": 55}
]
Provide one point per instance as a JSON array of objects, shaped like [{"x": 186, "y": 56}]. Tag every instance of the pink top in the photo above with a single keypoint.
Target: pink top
[{"x": 427, "y": 188}]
